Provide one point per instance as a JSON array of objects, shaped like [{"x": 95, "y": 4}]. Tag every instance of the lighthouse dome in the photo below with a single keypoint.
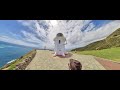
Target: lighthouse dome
[{"x": 59, "y": 34}]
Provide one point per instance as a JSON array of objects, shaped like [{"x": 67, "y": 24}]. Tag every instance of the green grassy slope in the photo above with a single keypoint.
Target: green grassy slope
[
  {"x": 112, "y": 40},
  {"x": 111, "y": 53}
]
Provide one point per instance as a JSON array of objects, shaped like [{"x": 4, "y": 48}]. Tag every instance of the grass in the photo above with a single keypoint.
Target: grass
[
  {"x": 111, "y": 53},
  {"x": 113, "y": 40},
  {"x": 12, "y": 65}
]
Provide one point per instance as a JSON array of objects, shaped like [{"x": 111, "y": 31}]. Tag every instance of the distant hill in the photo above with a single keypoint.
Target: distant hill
[{"x": 112, "y": 40}]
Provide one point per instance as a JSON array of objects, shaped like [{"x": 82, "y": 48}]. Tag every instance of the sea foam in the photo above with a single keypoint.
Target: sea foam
[{"x": 11, "y": 61}]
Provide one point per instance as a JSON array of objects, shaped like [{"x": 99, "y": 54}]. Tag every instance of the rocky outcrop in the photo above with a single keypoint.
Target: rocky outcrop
[{"x": 22, "y": 65}]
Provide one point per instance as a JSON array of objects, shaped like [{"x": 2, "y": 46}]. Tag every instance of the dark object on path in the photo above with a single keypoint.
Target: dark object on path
[{"x": 74, "y": 65}]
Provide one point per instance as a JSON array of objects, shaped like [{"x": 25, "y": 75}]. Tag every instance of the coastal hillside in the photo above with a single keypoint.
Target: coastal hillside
[
  {"x": 21, "y": 63},
  {"x": 111, "y": 41}
]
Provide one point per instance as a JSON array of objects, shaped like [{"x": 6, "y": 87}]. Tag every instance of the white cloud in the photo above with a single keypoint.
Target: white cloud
[
  {"x": 42, "y": 32},
  {"x": 30, "y": 37},
  {"x": 15, "y": 41},
  {"x": 72, "y": 31}
]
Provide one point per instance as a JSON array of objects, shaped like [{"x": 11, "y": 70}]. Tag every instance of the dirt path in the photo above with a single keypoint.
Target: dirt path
[{"x": 44, "y": 60}]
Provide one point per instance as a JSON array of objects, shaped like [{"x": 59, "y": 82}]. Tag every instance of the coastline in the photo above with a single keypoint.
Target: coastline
[
  {"x": 11, "y": 61},
  {"x": 20, "y": 63}
]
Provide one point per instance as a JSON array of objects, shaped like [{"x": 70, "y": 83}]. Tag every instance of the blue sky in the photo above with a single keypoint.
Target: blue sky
[
  {"x": 30, "y": 32},
  {"x": 15, "y": 26},
  {"x": 7, "y": 26},
  {"x": 10, "y": 26}
]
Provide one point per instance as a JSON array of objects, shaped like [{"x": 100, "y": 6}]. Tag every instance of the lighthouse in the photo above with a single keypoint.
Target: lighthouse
[{"x": 59, "y": 42}]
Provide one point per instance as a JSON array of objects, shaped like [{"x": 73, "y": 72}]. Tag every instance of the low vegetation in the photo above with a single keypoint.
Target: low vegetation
[
  {"x": 111, "y": 41},
  {"x": 13, "y": 65},
  {"x": 108, "y": 48},
  {"x": 111, "y": 53}
]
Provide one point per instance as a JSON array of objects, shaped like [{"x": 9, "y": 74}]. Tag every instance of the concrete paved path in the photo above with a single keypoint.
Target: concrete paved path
[{"x": 44, "y": 60}]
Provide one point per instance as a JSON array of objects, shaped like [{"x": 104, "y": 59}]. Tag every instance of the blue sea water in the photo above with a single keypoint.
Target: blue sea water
[{"x": 11, "y": 52}]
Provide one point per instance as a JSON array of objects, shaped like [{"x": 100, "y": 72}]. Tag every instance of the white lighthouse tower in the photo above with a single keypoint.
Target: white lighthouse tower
[{"x": 60, "y": 42}]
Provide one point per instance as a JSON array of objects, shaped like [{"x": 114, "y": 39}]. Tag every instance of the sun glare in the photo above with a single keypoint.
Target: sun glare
[{"x": 54, "y": 22}]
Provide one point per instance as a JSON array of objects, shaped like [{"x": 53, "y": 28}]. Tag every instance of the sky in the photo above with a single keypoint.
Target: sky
[{"x": 40, "y": 33}]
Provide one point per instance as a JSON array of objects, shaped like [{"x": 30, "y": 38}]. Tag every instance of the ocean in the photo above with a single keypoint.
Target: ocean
[{"x": 10, "y": 52}]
